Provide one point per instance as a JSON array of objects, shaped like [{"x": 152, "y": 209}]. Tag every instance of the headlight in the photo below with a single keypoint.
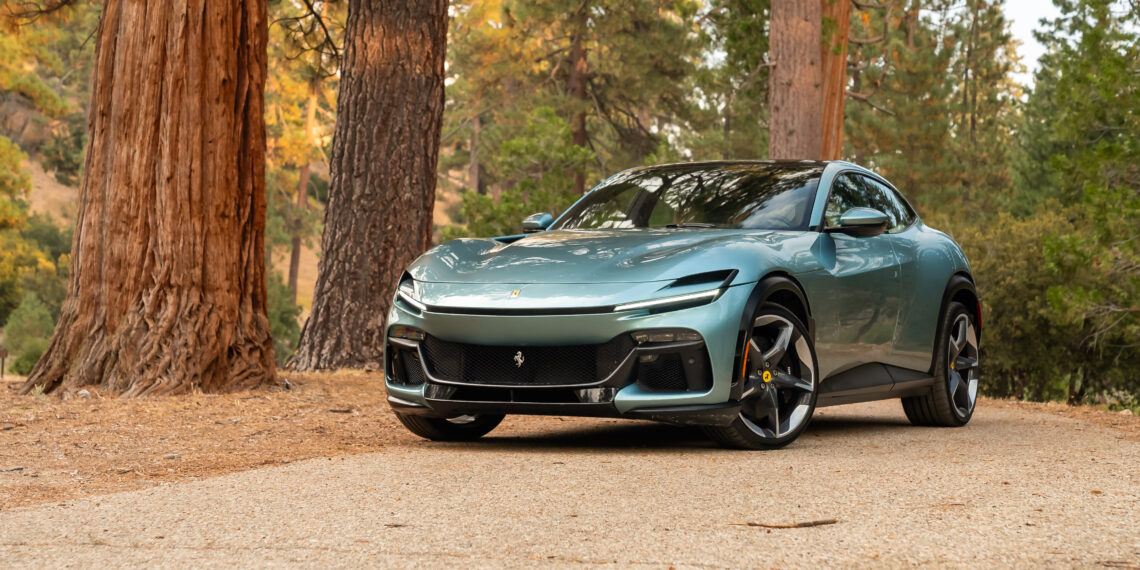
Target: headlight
[
  {"x": 674, "y": 302},
  {"x": 407, "y": 292}
]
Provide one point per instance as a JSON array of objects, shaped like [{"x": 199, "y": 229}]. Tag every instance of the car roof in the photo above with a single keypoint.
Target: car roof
[{"x": 784, "y": 163}]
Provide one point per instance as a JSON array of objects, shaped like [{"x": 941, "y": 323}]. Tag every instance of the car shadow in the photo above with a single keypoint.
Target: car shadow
[{"x": 626, "y": 435}]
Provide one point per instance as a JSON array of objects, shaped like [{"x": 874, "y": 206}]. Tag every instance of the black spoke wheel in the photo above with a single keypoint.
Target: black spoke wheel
[
  {"x": 459, "y": 428},
  {"x": 951, "y": 401},
  {"x": 779, "y": 378}
]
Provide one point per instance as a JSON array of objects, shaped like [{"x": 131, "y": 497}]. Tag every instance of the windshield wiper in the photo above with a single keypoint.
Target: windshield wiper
[{"x": 691, "y": 225}]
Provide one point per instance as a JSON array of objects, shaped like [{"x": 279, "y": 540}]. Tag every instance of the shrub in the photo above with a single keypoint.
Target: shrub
[
  {"x": 283, "y": 315},
  {"x": 28, "y": 356}
]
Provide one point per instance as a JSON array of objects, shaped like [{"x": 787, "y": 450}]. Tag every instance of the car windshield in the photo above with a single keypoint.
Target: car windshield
[{"x": 774, "y": 196}]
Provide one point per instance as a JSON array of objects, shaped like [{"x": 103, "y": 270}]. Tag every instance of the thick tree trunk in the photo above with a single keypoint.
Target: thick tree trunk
[
  {"x": 167, "y": 289},
  {"x": 303, "y": 190},
  {"x": 795, "y": 84},
  {"x": 577, "y": 85},
  {"x": 834, "y": 72},
  {"x": 385, "y": 151}
]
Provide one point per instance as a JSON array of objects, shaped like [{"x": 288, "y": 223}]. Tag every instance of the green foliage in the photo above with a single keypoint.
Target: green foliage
[
  {"x": 1028, "y": 351},
  {"x": 47, "y": 235},
  {"x": 27, "y": 332},
  {"x": 509, "y": 60},
  {"x": 539, "y": 165},
  {"x": 932, "y": 103},
  {"x": 1093, "y": 141},
  {"x": 283, "y": 315},
  {"x": 27, "y": 358},
  {"x": 14, "y": 184},
  {"x": 727, "y": 118},
  {"x": 63, "y": 151}
]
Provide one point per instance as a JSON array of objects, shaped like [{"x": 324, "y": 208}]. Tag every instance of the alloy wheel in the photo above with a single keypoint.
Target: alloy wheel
[
  {"x": 779, "y": 378},
  {"x": 962, "y": 365}
]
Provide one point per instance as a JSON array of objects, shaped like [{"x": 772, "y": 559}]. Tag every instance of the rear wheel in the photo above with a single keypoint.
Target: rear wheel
[
  {"x": 951, "y": 401},
  {"x": 779, "y": 376},
  {"x": 459, "y": 428}
]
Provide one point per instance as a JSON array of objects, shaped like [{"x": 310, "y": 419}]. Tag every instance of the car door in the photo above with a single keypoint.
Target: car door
[
  {"x": 860, "y": 310},
  {"x": 911, "y": 347}
]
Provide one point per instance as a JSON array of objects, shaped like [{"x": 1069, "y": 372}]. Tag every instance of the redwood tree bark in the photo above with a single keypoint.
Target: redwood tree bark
[
  {"x": 795, "y": 83},
  {"x": 167, "y": 290},
  {"x": 385, "y": 151},
  {"x": 834, "y": 72}
]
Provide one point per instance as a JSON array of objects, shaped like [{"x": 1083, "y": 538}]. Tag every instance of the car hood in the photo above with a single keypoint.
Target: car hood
[{"x": 600, "y": 256}]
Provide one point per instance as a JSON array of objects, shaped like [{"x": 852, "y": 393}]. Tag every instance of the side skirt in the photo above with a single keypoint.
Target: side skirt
[{"x": 870, "y": 382}]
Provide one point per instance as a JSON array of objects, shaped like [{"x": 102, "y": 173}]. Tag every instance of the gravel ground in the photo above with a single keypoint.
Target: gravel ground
[{"x": 1014, "y": 488}]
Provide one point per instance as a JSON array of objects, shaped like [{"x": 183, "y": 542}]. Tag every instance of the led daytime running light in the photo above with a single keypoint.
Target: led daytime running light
[
  {"x": 710, "y": 295},
  {"x": 409, "y": 300}
]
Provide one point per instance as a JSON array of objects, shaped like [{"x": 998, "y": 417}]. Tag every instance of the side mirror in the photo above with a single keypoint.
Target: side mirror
[
  {"x": 537, "y": 223},
  {"x": 862, "y": 222}
]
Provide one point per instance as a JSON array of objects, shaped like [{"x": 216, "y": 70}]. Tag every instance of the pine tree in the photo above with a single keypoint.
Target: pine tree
[
  {"x": 982, "y": 102},
  {"x": 898, "y": 120},
  {"x": 615, "y": 71},
  {"x": 1091, "y": 134},
  {"x": 383, "y": 164}
]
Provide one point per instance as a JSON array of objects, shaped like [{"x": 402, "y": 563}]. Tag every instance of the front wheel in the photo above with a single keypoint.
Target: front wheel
[
  {"x": 951, "y": 401},
  {"x": 459, "y": 428},
  {"x": 778, "y": 371}
]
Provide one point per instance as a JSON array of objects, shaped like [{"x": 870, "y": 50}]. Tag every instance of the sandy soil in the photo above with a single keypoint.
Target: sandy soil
[
  {"x": 1024, "y": 485},
  {"x": 52, "y": 449}
]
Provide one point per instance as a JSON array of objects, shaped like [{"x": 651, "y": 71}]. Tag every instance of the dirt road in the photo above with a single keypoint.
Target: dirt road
[{"x": 1015, "y": 487}]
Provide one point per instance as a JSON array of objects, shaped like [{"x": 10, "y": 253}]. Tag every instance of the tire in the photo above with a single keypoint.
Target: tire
[
  {"x": 953, "y": 397},
  {"x": 462, "y": 428},
  {"x": 780, "y": 384}
]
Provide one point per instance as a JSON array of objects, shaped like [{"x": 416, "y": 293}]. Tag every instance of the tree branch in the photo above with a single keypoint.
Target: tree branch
[
  {"x": 866, "y": 98},
  {"x": 311, "y": 22},
  {"x": 28, "y": 12}
]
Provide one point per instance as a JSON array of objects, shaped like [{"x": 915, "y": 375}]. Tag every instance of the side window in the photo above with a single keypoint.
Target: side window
[
  {"x": 887, "y": 201},
  {"x": 846, "y": 192}
]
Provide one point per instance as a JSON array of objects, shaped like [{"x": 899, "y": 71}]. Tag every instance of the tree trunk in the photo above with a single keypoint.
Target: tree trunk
[
  {"x": 577, "y": 85},
  {"x": 383, "y": 164},
  {"x": 167, "y": 289},
  {"x": 795, "y": 84},
  {"x": 834, "y": 72},
  {"x": 303, "y": 189}
]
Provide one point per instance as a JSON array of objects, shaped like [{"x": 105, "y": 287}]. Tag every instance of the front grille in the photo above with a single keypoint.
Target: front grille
[{"x": 540, "y": 365}]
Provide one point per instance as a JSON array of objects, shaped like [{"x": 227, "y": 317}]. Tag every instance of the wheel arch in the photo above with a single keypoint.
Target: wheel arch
[
  {"x": 779, "y": 287},
  {"x": 960, "y": 288}
]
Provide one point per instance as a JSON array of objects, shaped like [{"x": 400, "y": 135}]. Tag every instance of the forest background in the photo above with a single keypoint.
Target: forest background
[{"x": 1040, "y": 183}]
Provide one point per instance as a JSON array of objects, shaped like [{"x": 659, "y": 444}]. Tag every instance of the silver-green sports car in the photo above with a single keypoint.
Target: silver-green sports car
[{"x": 736, "y": 296}]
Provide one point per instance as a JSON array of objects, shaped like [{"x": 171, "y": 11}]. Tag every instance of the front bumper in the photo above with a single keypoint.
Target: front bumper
[{"x": 619, "y": 390}]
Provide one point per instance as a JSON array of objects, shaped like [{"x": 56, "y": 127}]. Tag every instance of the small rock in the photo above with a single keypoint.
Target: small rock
[
  {"x": 372, "y": 367},
  {"x": 1126, "y": 412},
  {"x": 172, "y": 456},
  {"x": 83, "y": 394}
]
